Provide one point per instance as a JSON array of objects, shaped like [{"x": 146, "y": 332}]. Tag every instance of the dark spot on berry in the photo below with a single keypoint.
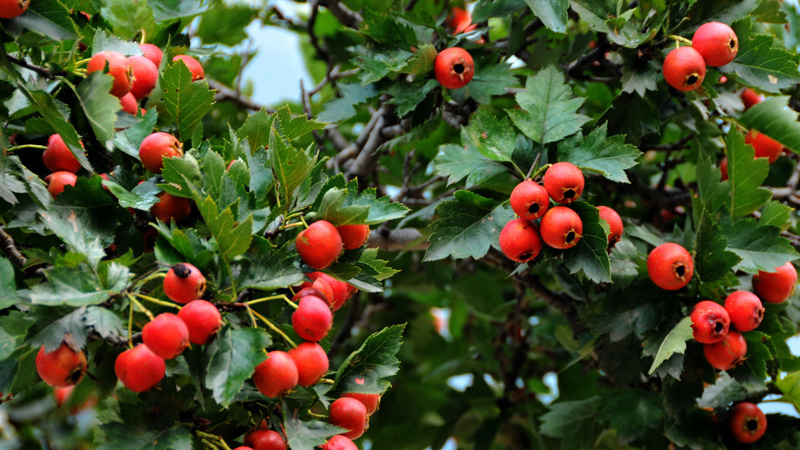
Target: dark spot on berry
[
  {"x": 181, "y": 270},
  {"x": 525, "y": 256},
  {"x": 570, "y": 237},
  {"x": 752, "y": 424},
  {"x": 680, "y": 270},
  {"x": 760, "y": 313},
  {"x": 534, "y": 208},
  {"x": 458, "y": 68},
  {"x": 691, "y": 79},
  {"x": 718, "y": 327},
  {"x": 732, "y": 43},
  {"x": 569, "y": 193}
]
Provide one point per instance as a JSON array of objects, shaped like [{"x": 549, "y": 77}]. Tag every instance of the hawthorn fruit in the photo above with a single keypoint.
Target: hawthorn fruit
[
  {"x": 747, "y": 423},
  {"x": 319, "y": 245},
  {"x": 61, "y": 367},
  {"x": 13, "y": 8},
  {"x": 277, "y": 375},
  {"x": 265, "y": 440},
  {"x": 311, "y": 361},
  {"x": 145, "y": 76},
  {"x": 520, "y": 241},
  {"x": 684, "y": 69},
  {"x": 350, "y": 414},
  {"x": 745, "y": 310},
  {"x": 561, "y": 228},
  {"x": 139, "y": 369},
  {"x": 353, "y": 236},
  {"x": 614, "y": 222},
  {"x": 339, "y": 442},
  {"x": 775, "y": 287},
  {"x": 564, "y": 182},
  {"x": 530, "y": 200},
  {"x": 184, "y": 283},
  {"x": 727, "y": 353},
  {"x": 153, "y": 53},
  {"x": 670, "y": 266},
  {"x": 370, "y": 401},
  {"x": 156, "y": 147},
  {"x": 171, "y": 208},
  {"x": 56, "y": 182},
  {"x": 710, "y": 322},
  {"x": 58, "y": 157},
  {"x": 166, "y": 335},
  {"x": 202, "y": 319},
  {"x": 118, "y": 67},
  {"x": 194, "y": 66},
  {"x": 765, "y": 146},
  {"x": 313, "y": 319},
  {"x": 716, "y": 42},
  {"x": 453, "y": 68}
]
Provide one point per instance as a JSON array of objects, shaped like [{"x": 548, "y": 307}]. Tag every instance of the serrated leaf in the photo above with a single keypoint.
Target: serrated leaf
[
  {"x": 575, "y": 422},
  {"x": 70, "y": 287},
  {"x": 290, "y": 165},
  {"x": 608, "y": 156},
  {"x": 590, "y": 255},
  {"x": 51, "y": 336},
  {"x": 712, "y": 260},
  {"x": 104, "y": 321},
  {"x": 256, "y": 129},
  {"x": 352, "y": 94},
  {"x": 380, "y": 209},
  {"x": 99, "y": 105},
  {"x": 269, "y": 272},
  {"x": 50, "y": 18},
  {"x": 74, "y": 235},
  {"x": 722, "y": 393},
  {"x": 127, "y": 17},
  {"x": 129, "y": 139},
  {"x": 789, "y": 385},
  {"x": 752, "y": 373},
  {"x": 406, "y": 96},
  {"x": 489, "y": 80},
  {"x": 142, "y": 197},
  {"x": 367, "y": 368},
  {"x": 633, "y": 412},
  {"x": 108, "y": 42},
  {"x": 182, "y": 176},
  {"x": 746, "y": 174},
  {"x": 165, "y": 10},
  {"x": 773, "y": 118},
  {"x": 333, "y": 209},
  {"x": 457, "y": 162},
  {"x": 185, "y": 101},
  {"x": 761, "y": 248},
  {"x": 122, "y": 437},
  {"x": 234, "y": 355},
  {"x": 674, "y": 342},
  {"x": 552, "y": 13},
  {"x": 775, "y": 214},
  {"x": 232, "y": 239},
  {"x": 494, "y": 139},
  {"x": 294, "y": 127},
  {"x": 307, "y": 435}
]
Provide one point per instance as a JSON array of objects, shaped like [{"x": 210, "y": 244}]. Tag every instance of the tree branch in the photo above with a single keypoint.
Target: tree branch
[
  {"x": 40, "y": 70},
  {"x": 10, "y": 250},
  {"x": 226, "y": 94},
  {"x": 342, "y": 13}
]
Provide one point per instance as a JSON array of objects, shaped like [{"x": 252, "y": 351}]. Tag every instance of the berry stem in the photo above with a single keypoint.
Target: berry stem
[
  {"x": 292, "y": 225},
  {"x": 533, "y": 166},
  {"x": 273, "y": 297},
  {"x": 317, "y": 416},
  {"x": 213, "y": 438},
  {"x": 82, "y": 62},
  {"x": 326, "y": 381},
  {"x": 156, "y": 301},
  {"x": 20, "y": 147},
  {"x": 302, "y": 219},
  {"x": 679, "y": 39},
  {"x": 141, "y": 306},
  {"x": 130, "y": 323},
  {"x": 143, "y": 39},
  {"x": 541, "y": 170},
  {"x": 273, "y": 327}
]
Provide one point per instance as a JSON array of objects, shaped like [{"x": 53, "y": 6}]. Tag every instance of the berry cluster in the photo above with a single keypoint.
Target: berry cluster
[{"x": 713, "y": 44}]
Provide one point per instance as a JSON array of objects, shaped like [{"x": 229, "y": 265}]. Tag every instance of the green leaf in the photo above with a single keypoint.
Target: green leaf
[
  {"x": 12, "y": 332},
  {"x": 232, "y": 239},
  {"x": 71, "y": 326},
  {"x": 185, "y": 101},
  {"x": 99, "y": 105},
  {"x": 674, "y": 343},
  {"x": 290, "y": 165},
  {"x": 722, "y": 393},
  {"x": 142, "y": 197},
  {"x": 307, "y": 435},
  {"x": 50, "y": 18},
  {"x": 226, "y": 25},
  {"x": 575, "y": 422},
  {"x": 182, "y": 176},
  {"x": 489, "y": 80},
  {"x": 8, "y": 288},
  {"x": 457, "y": 162},
  {"x": 468, "y": 226},
  {"x": 333, "y": 209},
  {"x": 105, "y": 322},
  {"x": 388, "y": 30},
  {"x": 752, "y": 373},
  {"x": 634, "y": 413},
  {"x": 380, "y": 209},
  {"x": 353, "y": 94},
  {"x": 775, "y": 214},
  {"x": 130, "y": 139},
  {"x": 552, "y": 13},
  {"x": 122, "y": 437},
  {"x": 367, "y": 368},
  {"x": 127, "y": 17},
  {"x": 773, "y": 118},
  {"x": 550, "y": 108},
  {"x": 234, "y": 355},
  {"x": 109, "y": 42},
  {"x": 70, "y": 287},
  {"x": 75, "y": 236},
  {"x": 257, "y": 129},
  {"x": 789, "y": 385},
  {"x": 712, "y": 260},
  {"x": 165, "y": 10},
  {"x": 746, "y": 174},
  {"x": 590, "y": 255},
  {"x": 494, "y": 139},
  {"x": 608, "y": 156},
  {"x": 406, "y": 96},
  {"x": 294, "y": 127},
  {"x": 761, "y": 248},
  {"x": 376, "y": 64},
  {"x": 713, "y": 192},
  {"x": 485, "y": 9},
  {"x": 273, "y": 271}
]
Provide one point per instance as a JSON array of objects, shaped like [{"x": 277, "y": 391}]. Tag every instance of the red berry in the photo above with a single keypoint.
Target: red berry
[
  {"x": 265, "y": 440},
  {"x": 156, "y": 147},
  {"x": 276, "y": 375},
  {"x": 202, "y": 319},
  {"x": 684, "y": 69},
  {"x": 12, "y": 8},
  {"x": 62, "y": 394},
  {"x": 716, "y": 42},
  {"x": 750, "y": 98},
  {"x": 529, "y": 200},
  {"x": 564, "y": 182},
  {"x": 350, "y": 414},
  {"x": 184, "y": 283},
  {"x": 370, "y": 401},
  {"x": 727, "y": 353},
  {"x": 520, "y": 241},
  {"x": 319, "y": 245},
  {"x": 57, "y": 180},
  {"x": 340, "y": 289},
  {"x": 61, "y": 367},
  {"x": 145, "y": 76},
  {"x": 244, "y": 447},
  {"x": 171, "y": 208},
  {"x": 670, "y": 266},
  {"x": 745, "y": 309},
  {"x": 313, "y": 319},
  {"x": 166, "y": 335},
  {"x": 194, "y": 66},
  {"x": 460, "y": 19},
  {"x": 353, "y": 236},
  {"x": 153, "y": 53},
  {"x": 339, "y": 442},
  {"x": 324, "y": 288},
  {"x": 723, "y": 168},
  {"x": 57, "y": 157},
  {"x": 129, "y": 104},
  {"x": 747, "y": 422},
  {"x": 139, "y": 369},
  {"x": 561, "y": 228},
  {"x": 453, "y": 68},
  {"x": 614, "y": 224},
  {"x": 775, "y": 287},
  {"x": 765, "y": 146},
  {"x": 118, "y": 67},
  {"x": 710, "y": 322},
  {"x": 311, "y": 361}
]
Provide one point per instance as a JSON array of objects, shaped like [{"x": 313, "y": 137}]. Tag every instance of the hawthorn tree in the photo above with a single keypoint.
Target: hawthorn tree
[{"x": 160, "y": 227}]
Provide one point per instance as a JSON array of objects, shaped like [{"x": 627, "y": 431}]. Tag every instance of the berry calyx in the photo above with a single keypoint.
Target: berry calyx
[
  {"x": 156, "y": 147},
  {"x": 319, "y": 245},
  {"x": 339, "y": 442},
  {"x": 520, "y": 241},
  {"x": 194, "y": 66},
  {"x": 453, "y": 68},
  {"x": 564, "y": 182},
  {"x": 775, "y": 287},
  {"x": 350, "y": 414},
  {"x": 202, "y": 319},
  {"x": 139, "y": 369},
  {"x": 684, "y": 69},
  {"x": 530, "y": 200},
  {"x": 765, "y": 146},
  {"x": 745, "y": 310},
  {"x": 276, "y": 375},
  {"x": 171, "y": 208},
  {"x": 710, "y": 322},
  {"x": 670, "y": 266},
  {"x": 747, "y": 423},
  {"x": 118, "y": 67},
  {"x": 370, "y": 401},
  {"x": 58, "y": 180},
  {"x": 614, "y": 224},
  {"x": 184, "y": 283},
  {"x": 311, "y": 361},
  {"x": 727, "y": 353},
  {"x": 129, "y": 104},
  {"x": 13, "y": 8},
  {"x": 312, "y": 320},
  {"x": 265, "y": 440},
  {"x": 750, "y": 98},
  {"x": 353, "y": 236},
  {"x": 166, "y": 335},
  {"x": 61, "y": 367},
  {"x": 57, "y": 157},
  {"x": 145, "y": 76},
  {"x": 153, "y": 53},
  {"x": 716, "y": 42},
  {"x": 561, "y": 228}
]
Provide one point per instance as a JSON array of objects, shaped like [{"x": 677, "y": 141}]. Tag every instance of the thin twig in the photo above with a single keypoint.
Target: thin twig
[{"x": 10, "y": 250}]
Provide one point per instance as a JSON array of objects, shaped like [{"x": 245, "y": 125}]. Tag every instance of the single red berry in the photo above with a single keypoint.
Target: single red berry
[
  {"x": 311, "y": 361},
  {"x": 265, "y": 440},
  {"x": 340, "y": 289},
  {"x": 202, "y": 319},
  {"x": 520, "y": 241},
  {"x": 194, "y": 66},
  {"x": 530, "y": 200},
  {"x": 156, "y": 147},
  {"x": 460, "y": 20},
  {"x": 370, "y": 401},
  {"x": 166, "y": 335},
  {"x": 670, "y": 266},
  {"x": 118, "y": 67},
  {"x": 561, "y": 228},
  {"x": 765, "y": 146},
  {"x": 564, "y": 182},
  {"x": 129, "y": 104},
  {"x": 747, "y": 422},
  {"x": 145, "y": 76},
  {"x": 13, "y": 8},
  {"x": 614, "y": 224},
  {"x": 350, "y": 414},
  {"x": 716, "y": 42},
  {"x": 153, "y": 53},
  {"x": 710, "y": 322},
  {"x": 184, "y": 283},
  {"x": 61, "y": 367},
  {"x": 244, "y": 447},
  {"x": 775, "y": 287},
  {"x": 723, "y": 168},
  {"x": 171, "y": 208},
  {"x": 62, "y": 395},
  {"x": 684, "y": 69},
  {"x": 723, "y": 79},
  {"x": 57, "y": 180},
  {"x": 324, "y": 288},
  {"x": 276, "y": 375},
  {"x": 727, "y": 353},
  {"x": 57, "y": 157},
  {"x": 750, "y": 98},
  {"x": 319, "y": 245},
  {"x": 353, "y": 236},
  {"x": 339, "y": 442},
  {"x": 453, "y": 68},
  {"x": 313, "y": 319},
  {"x": 139, "y": 369},
  {"x": 745, "y": 309}
]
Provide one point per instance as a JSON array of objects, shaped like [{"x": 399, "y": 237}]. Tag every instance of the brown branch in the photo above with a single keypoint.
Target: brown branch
[
  {"x": 342, "y": 13},
  {"x": 226, "y": 94},
  {"x": 678, "y": 145},
  {"x": 369, "y": 155},
  {"x": 10, "y": 250},
  {"x": 404, "y": 239},
  {"x": 40, "y": 70}
]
